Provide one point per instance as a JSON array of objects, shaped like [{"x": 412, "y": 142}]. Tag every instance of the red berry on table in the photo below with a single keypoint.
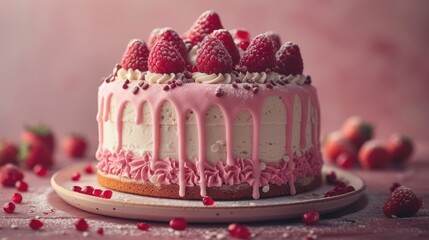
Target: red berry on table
[
  {"x": 226, "y": 39},
  {"x": 238, "y": 231},
  {"x": 346, "y": 161},
  {"x": 143, "y": 226},
  {"x": 357, "y": 130},
  {"x": 8, "y": 153},
  {"x": 87, "y": 190},
  {"x": 205, "y": 24},
  {"x": 153, "y": 37},
  {"x": 373, "y": 155},
  {"x": 165, "y": 58},
  {"x": 135, "y": 56},
  {"x": 178, "y": 224},
  {"x": 10, "y": 174},
  {"x": 39, "y": 135},
  {"x": 21, "y": 186},
  {"x": 212, "y": 57},
  {"x": 170, "y": 36},
  {"x": 275, "y": 39},
  {"x": 75, "y": 177},
  {"x": 81, "y": 225},
  {"x": 89, "y": 169},
  {"x": 9, "y": 207},
  {"x": 107, "y": 194},
  {"x": 40, "y": 170},
  {"x": 75, "y": 146},
  {"x": 17, "y": 198},
  {"x": 259, "y": 56},
  {"x": 289, "y": 59},
  {"x": 400, "y": 148},
  {"x": 208, "y": 201},
  {"x": 100, "y": 231},
  {"x": 311, "y": 218},
  {"x": 331, "y": 177},
  {"x": 402, "y": 203},
  {"x": 336, "y": 144},
  {"x": 32, "y": 154},
  {"x": 35, "y": 224},
  {"x": 394, "y": 186}
]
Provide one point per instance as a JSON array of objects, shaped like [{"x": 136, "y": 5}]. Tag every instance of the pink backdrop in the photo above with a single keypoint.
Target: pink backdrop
[{"x": 365, "y": 57}]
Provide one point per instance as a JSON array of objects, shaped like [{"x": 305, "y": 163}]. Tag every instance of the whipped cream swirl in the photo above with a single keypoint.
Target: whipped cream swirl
[
  {"x": 298, "y": 79},
  {"x": 159, "y": 78},
  {"x": 130, "y": 74},
  {"x": 212, "y": 78},
  {"x": 259, "y": 77}
]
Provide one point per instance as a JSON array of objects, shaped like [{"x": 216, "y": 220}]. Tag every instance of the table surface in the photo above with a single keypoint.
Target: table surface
[{"x": 362, "y": 220}]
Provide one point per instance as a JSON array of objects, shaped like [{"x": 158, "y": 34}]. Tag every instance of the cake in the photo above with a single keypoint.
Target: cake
[{"x": 210, "y": 113}]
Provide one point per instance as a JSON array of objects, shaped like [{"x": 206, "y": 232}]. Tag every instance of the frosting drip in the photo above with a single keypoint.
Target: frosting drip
[
  {"x": 159, "y": 78},
  {"x": 212, "y": 78},
  {"x": 130, "y": 74}
]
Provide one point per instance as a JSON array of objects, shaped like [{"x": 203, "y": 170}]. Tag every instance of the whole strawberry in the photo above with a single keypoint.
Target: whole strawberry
[
  {"x": 336, "y": 144},
  {"x": 259, "y": 56},
  {"x": 39, "y": 135},
  {"x": 400, "y": 148},
  {"x": 169, "y": 35},
  {"x": 32, "y": 154},
  {"x": 8, "y": 153},
  {"x": 164, "y": 58},
  {"x": 275, "y": 39},
  {"x": 74, "y": 146},
  {"x": 10, "y": 174},
  {"x": 205, "y": 24},
  {"x": 402, "y": 203},
  {"x": 373, "y": 155},
  {"x": 357, "y": 130},
  {"x": 135, "y": 56},
  {"x": 212, "y": 57},
  {"x": 226, "y": 39},
  {"x": 289, "y": 59}
]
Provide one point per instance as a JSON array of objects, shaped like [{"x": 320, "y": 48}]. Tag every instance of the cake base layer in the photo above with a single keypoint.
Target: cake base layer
[{"x": 224, "y": 192}]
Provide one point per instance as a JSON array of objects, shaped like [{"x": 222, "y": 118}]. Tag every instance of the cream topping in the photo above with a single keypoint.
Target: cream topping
[
  {"x": 159, "y": 78},
  {"x": 299, "y": 79},
  {"x": 259, "y": 77},
  {"x": 192, "y": 55},
  {"x": 212, "y": 78},
  {"x": 130, "y": 74}
]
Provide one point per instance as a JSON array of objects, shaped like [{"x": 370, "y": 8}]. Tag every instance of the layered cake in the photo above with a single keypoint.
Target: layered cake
[{"x": 211, "y": 113}]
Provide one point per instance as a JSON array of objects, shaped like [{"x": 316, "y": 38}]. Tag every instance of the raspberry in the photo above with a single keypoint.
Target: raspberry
[
  {"x": 212, "y": 57},
  {"x": 238, "y": 231},
  {"x": 289, "y": 60},
  {"x": 402, "y": 203},
  {"x": 275, "y": 39},
  {"x": 394, "y": 186},
  {"x": 136, "y": 56},
  {"x": 259, "y": 56},
  {"x": 169, "y": 35},
  {"x": 164, "y": 58},
  {"x": 226, "y": 39},
  {"x": 205, "y": 24},
  {"x": 153, "y": 37},
  {"x": 178, "y": 224}
]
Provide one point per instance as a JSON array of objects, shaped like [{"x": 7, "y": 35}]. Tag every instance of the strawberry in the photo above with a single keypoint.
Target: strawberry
[
  {"x": 336, "y": 144},
  {"x": 153, "y": 37},
  {"x": 402, "y": 203},
  {"x": 205, "y": 24},
  {"x": 259, "y": 56},
  {"x": 289, "y": 60},
  {"x": 39, "y": 135},
  {"x": 169, "y": 35},
  {"x": 373, "y": 155},
  {"x": 10, "y": 174},
  {"x": 357, "y": 130},
  {"x": 8, "y": 153},
  {"x": 212, "y": 57},
  {"x": 164, "y": 58},
  {"x": 226, "y": 39},
  {"x": 275, "y": 39},
  {"x": 136, "y": 56},
  {"x": 33, "y": 154},
  {"x": 400, "y": 148},
  {"x": 74, "y": 146}
]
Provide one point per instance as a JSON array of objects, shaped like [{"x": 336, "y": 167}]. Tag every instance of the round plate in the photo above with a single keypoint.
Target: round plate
[{"x": 124, "y": 205}]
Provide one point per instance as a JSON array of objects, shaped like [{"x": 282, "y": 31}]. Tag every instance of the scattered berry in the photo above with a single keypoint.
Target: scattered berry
[
  {"x": 170, "y": 36},
  {"x": 330, "y": 194},
  {"x": 275, "y": 39},
  {"x": 40, "y": 170},
  {"x": 9, "y": 207},
  {"x": 75, "y": 177},
  {"x": 205, "y": 24},
  {"x": 165, "y": 58},
  {"x": 331, "y": 178},
  {"x": 346, "y": 161},
  {"x": 208, "y": 201},
  {"x": 350, "y": 189},
  {"x": 357, "y": 131},
  {"x": 10, "y": 174},
  {"x": 97, "y": 192},
  {"x": 143, "y": 226},
  {"x": 311, "y": 218},
  {"x": 89, "y": 169},
  {"x": 400, "y": 148},
  {"x": 35, "y": 224},
  {"x": 394, "y": 186},
  {"x": 336, "y": 144},
  {"x": 40, "y": 135},
  {"x": 226, "y": 39},
  {"x": 21, "y": 186},
  {"x": 100, "y": 231},
  {"x": 76, "y": 189},
  {"x": 402, "y": 203},
  {"x": 87, "y": 190},
  {"x": 212, "y": 57},
  {"x": 81, "y": 225},
  {"x": 373, "y": 155},
  {"x": 8, "y": 153},
  {"x": 289, "y": 60},
  {"x": 238, "y": 231},
  {"x": 17, "y": 198},
  {"x": 178, "y": 224},
  {"x": 107, "y": 194},
  {"x": 136, "y": 56},
  {"x": 33, "y": 154},
  {"x": 259, "y": 56},
  {"x": 74, "y": 146}
]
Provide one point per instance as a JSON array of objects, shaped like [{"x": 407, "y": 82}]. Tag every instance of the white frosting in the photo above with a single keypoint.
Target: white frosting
[
  {"x": 298, "y": 79},
  {"x": 212, "y": 78},
  {"x": 130, "y": 74},
  {"x": 192, "y": 55},
  {"x": 259, "y": 77},
  {"x": 159, "y": 78}
]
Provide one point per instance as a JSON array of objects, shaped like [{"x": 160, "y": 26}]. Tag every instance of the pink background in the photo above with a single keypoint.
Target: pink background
[{"x": 365, "y": 57}]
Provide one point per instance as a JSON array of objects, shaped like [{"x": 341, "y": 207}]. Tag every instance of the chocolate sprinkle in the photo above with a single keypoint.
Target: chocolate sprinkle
[{"x": 136, "y": 90}]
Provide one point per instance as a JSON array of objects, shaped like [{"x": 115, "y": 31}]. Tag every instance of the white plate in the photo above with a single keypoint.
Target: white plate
[{"x": 124, "y": 205}]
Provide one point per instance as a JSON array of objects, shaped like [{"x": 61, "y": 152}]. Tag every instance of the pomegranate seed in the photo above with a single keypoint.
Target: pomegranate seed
[
  {"x": 125, "y": 86},
  {"x": 87, "y": 190},
  {"x": 350, "y": 189},
  {"x": 166, "y": 88},
  {"x": 345, "y": 161},
  {"x": 81, "y": 225},
  {"x": 107, "y": 194},
  {"x": 330, "y": 194},
  {"x": 97, "y": 192},
  {"x": 76, "y": 189},
  {"x": 17, "y": 198},
  {"x": 311, "y": 218},
  {"x": 35, "y": 224},
  {"x": 89, "y": 169},
  {"x": 242, "y": 34},
  {"x": 243, "y": 45},
  {"x": 238, "y": 231},
  {"x": 394, "y": 186},
  {"x": 269, "y": 86},
  {"x": 40, "y": 170},
  {"x": 340, "y": 190},
  {"x": 339, "y": 183},
  {"x": 143, "y": 226},
  {"x": 234, "y": 85},
  {"x": 135, "y": 90},
  {"x": 178, "y": 224},
  {"x": 247, "y": 87},
  {"x": 21, "y": 186},
  {"x": 100, "y": 231},
  {"x": 331, "y": 177},
  {"x": 145, "y": 86},
  {"x": 9, "y": 207},
  {"x": 208, "y": 201},
  {"x": 75, "y": 177}
]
